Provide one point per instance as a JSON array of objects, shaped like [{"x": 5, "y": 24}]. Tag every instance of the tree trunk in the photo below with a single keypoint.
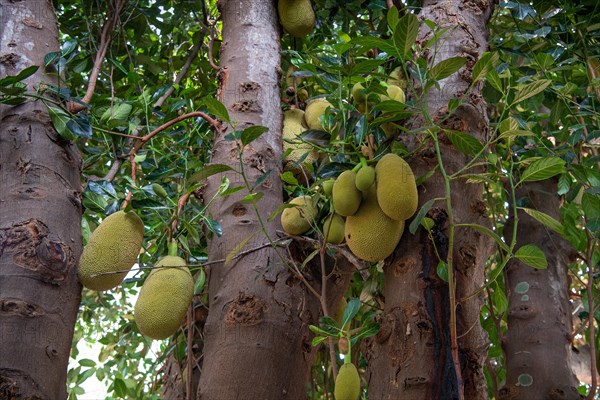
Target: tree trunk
[
  {"x": 411, "y": 355},
  {"x": 537, "y": 344},
  {"x": 40, "y": 219},
  {"x": 256, "y": 339}
]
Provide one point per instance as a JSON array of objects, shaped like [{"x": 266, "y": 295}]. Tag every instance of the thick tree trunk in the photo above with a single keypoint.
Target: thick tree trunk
[
  {"x": 40, "y": 219},
  {"x": 538, "y": 342},
  {"x": 256, "y": 339},
  {"x": 411, "y": 355}
]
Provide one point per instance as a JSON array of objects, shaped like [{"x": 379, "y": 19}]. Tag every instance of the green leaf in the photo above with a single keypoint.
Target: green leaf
[
  {"x": 532, "y": 255},
  {"x": 317, "y": 340},
  {"x": 24, "y": 74},
  {"x": 499, "y": 300},
  {"x": 209, "y": 170},
  {"x": 119, "y": 112},
  {"x": 414, "y": 225},
  {"x": 442, "y": 270},
  {"x": 515, "y": 133},
  {"x": 236, "y": 249},
  {"x": 494, "y": 80},
  {"x": 392, "y": 17},
  {"x": 591, "y": 207},
  {"x": 375, "y": 42},
  {"x": 367, "y": 330},
  {"x": 464, "y": 142},
  {"x": 252, "y": 133},
  {"x": 488, "y": 232},
  {"x": 483, "y": 66},
  {"x": 405, "y": 34},
  {"x": 329, "y": 326},
  {"x": 543, "y": 168},
  {"x": 60, "y": 119},
  {"x": 213, "y": 225},
  {"x": 252, "y": 198},
  {"x": 318, "y": 331},
  {"x": 216, "y": 108},
  {"x": 531, "y": 90},
  {"x": 200, "y": 281},
  {"x": 86, "y": 362},
  {"x": 446, "y": 67},
  {"x": 120, "y": 387},
  {"x": 350, "y": 311},
  {"x": 545, "y": 220}
]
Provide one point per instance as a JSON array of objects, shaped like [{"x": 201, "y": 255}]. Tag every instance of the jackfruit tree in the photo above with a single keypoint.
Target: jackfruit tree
[{"x": 299, "y": 199}]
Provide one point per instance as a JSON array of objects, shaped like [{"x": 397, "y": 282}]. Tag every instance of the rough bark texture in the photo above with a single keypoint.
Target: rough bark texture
[
  {"x": 256, "y": 339},
  {"x": 40, "y": 219},
  {"x": 410, "y": 357},
  {"x": 538, "y": 341}
]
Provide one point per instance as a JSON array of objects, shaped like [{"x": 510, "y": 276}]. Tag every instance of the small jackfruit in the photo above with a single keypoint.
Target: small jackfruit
[
  {"x": 164, "y": 298},
  {"x": 293, "y": 126},
  {"x": 394, "y": 93},
  {"x": 397, "y": 78},
  {"x": 365, "y": 177},
  {"x": 333, "y": 229},
  {"x": 346, "y": 197},
  {"x": 396, "y": 187},
  {"x": 296, "y": 16},
  {"x": 297, "y": 220},
  {"x": 314, "y": 110},
  {"x": 328, "y": 186},
  {"x": 347, "y": 383},
  {"x": 114, "y": 246},
  {"x": 302, "y": 95},
  {"x": 370, "y": 234},
  {"x": 159, "y": 190}
]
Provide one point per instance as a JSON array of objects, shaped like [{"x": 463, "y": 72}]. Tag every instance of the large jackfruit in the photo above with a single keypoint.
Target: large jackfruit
[
  {"x": 296, "y": 16},
  {"x": 314, "y": 110},
  {"x": 370, "y": 234},
  {"x": 346, "y": 197},
  {"x": 347, "y": 383},
  {"x": 396, "y": 187},
  {"x": 293, "y": 126},
  {"x": 297, "y": 220},
  {"x": 164, "y": 298},
  {"x": 114, "y": 246},
  {"x": 333, "y": 229}
]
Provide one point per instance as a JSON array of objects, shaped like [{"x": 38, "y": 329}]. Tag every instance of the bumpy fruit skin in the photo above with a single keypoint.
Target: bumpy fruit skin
[
  {"x": 397, "y": 78},
  {"x": 333, "y": 229},
  {"x": 365, "y": 177},
  {"x": 296, "y": 16},
  {"x": 396, "y": 187},
  {"x": 346, "y": 197},
  {"x": 347, "y": 383},
  {"x": 297, "y": 220},
  {"x": 293, "y": 126},
  {"x": 394, "y": 93},
  {"x": 113, "y": 246},
  {"x": 328, "y": 186},
  {"x": 313, "y": 112},
  {"x": 370, "y": 234},
  {"x": 164, "y": 298}
]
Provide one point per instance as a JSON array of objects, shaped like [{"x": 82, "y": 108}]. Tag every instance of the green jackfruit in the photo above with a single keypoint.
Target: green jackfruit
[
  {"x": 397, "y": 78},
  {"x": 296, "y": 16},
  {"x": 346, "y": 197},
  {"x": 114, "y": 246},
  {"x": 333, "y": 229},
  {"x": 159, "y": 190},
  {"x": 297, "y": 220},
  {"x": 347, "y": 383},
  {"x": 328, "y": 186},
  {"x": 370, "y": 234},
  {"x": 293, "y": 126},
  {"x": 365, "y": 177},
  {"x": 357, "y": 93},
  {"x": 396, "y": 187},
  {"x": 314, "y": 110},
  {"x": 164, "y": 298}
]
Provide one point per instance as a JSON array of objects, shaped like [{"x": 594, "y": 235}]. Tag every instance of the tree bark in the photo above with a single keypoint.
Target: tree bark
[
  {"x": 537, "y": 344},
  {"x": 411, "y": 355},
  {"x": 40, "y": 219},
  {"x": 256, "y": 339}
]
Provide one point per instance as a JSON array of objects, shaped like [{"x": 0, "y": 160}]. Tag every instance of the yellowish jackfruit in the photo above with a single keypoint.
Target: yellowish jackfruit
[
  {"x": 370, "y": 234},
  {"x": 346, "y": 197},
  {"x": 396, "y": 187},
  {"x": 293, "y": 126},
  {"x": 333, "y": 229},
  {"x": 365, "y": 177},
  {"x": 347, "y": 383},
  {"x": 397, "y": 78},
  {"x": 164, "y": 298},
  {"x": 328, "y": 186},
  {"x": 394, "y": 93},
  {"x": 314, "y": 110},
  {"x": 297, "y": 220},
  {"x": 296, "y": 16},
  {"x": 357, "y": 93},
  {"x": 114, "y": 246}
]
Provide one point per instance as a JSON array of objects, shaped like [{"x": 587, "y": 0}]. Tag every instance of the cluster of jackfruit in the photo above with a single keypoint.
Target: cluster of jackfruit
[
  {"x": 164, "y": 298},
  {"x": 376, "y": 202},
  {"x": 396, "y": 84},
  {"x": 296, "y": 16},
  {"x": 111, "y": 251},
  {"x": 295, "y": 122},
  {"x": 347, "y": 383}
]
